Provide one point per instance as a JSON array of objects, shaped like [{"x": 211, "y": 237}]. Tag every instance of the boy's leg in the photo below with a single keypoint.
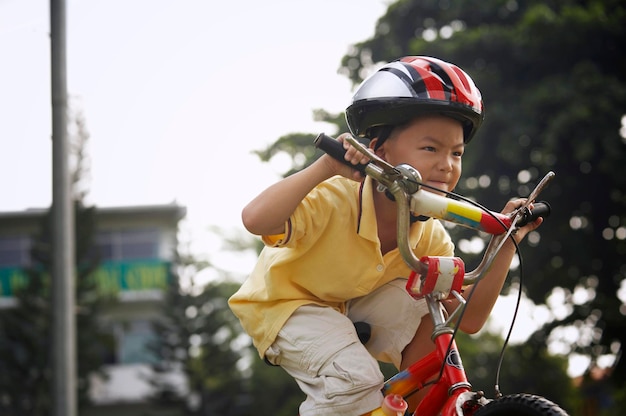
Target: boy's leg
[
  {"x": 419, "y": 347},
  {"x": 394, "y": 317},
  {"x": 400, "y": 327},
  {"x": 319, "y": 347}
]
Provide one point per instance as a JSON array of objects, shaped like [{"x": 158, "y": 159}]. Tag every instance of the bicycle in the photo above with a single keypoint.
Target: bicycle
[{"x": 436, "y": 279}]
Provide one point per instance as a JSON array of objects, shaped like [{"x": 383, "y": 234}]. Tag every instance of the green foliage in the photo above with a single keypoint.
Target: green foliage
[
  {"x": 299, "y": 148},
  {"x": 272, "y": 390},
  {"x": 553, "y": 78},
  {"x": 25, "y": 330},
  {"x": 199, "y": 336},
  {"x": 525, "y": 369}
]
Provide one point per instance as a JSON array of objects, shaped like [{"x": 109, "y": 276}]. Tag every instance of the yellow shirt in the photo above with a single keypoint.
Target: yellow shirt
[{"x": 330, "y": 253}]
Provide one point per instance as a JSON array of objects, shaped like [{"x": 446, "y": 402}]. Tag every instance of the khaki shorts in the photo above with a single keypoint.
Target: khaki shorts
[{"x": 318, "y": 346}]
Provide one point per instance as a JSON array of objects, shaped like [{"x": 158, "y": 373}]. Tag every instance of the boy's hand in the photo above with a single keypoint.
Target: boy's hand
[
  {"x": 511, "y": 206},
  {"x": 352, "y": 155}
]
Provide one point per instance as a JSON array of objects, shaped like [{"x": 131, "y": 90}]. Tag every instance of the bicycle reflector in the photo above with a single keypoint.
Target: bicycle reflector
[{"x": 445, "y": 274}]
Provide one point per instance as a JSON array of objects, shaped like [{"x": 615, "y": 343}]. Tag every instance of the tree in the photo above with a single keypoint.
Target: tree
[
  {"x": 553, "y": 78},
  {"x": 25, "y": 355},
  {"x": 201, "y": 337},
  {"x": 481, "y": 354},
  {"x": 272, "y": 390}
]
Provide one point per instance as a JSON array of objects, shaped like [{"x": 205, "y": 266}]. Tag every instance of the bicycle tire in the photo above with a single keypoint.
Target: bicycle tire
[{"x": 521, "y": 404}]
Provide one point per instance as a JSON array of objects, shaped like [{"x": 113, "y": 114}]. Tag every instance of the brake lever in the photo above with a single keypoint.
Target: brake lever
[{"x": 543, "y": 183}]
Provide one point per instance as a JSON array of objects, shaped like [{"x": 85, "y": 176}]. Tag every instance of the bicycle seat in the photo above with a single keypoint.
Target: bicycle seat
[{"x": 363, "y": 331}]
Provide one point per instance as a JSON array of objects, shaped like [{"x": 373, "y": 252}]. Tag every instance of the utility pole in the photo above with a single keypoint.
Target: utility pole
[{"x": 63, "y": 294}]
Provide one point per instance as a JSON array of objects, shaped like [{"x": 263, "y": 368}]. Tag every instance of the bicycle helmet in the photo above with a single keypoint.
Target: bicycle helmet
[{"x": 411, "y": 86}]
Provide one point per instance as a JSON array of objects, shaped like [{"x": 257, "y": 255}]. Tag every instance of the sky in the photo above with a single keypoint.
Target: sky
[{"x": 176, "y": 95}]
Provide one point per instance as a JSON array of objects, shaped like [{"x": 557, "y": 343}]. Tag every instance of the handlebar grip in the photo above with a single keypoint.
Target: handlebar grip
[
  {"x": 336, "y": 150},
  {"x": 540, "y": 209}
]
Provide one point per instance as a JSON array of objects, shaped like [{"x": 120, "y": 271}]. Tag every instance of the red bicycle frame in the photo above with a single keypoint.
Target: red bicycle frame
[
  {"x": 448, "y": 391},
  {"x": 450, "y": 388}
]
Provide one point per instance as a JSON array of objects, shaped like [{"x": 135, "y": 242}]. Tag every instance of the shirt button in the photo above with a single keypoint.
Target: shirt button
[{"x": 380, "y": 267}]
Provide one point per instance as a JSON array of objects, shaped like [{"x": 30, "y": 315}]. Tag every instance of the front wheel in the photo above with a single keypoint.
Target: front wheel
[{"x": 521, "y": 405}]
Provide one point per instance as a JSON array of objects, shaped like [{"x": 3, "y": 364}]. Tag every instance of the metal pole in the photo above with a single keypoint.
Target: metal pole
[{"x": 63, "y": 297}]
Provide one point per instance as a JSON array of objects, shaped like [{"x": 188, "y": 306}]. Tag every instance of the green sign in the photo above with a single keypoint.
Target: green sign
[
  {"x": 11, "y": 278},
  {"x": 115, "y": 277},
  {"x": 111, "y": 277}
]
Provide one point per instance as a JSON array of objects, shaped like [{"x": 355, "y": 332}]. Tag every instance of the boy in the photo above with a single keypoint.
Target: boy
[{"x": 331, "y": 255}]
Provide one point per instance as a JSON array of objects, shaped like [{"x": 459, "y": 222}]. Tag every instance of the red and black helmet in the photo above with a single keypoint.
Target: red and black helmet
[{"x": 412, "y": 86}]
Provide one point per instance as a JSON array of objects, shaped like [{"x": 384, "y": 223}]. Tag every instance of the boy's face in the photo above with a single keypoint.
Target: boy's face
[{"x": 431, "y": 144}]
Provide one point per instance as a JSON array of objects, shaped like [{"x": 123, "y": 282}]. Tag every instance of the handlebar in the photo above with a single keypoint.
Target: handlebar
[
  {"x": 539, "y": 209},
  {"x": 335, "y": 149},
  {"x": 405, "y": 185}
]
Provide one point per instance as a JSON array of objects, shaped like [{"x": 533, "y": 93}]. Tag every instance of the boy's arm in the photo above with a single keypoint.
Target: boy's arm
[
  {"x": 269, "y": 211},
  {"x": 490, "y": 286}
]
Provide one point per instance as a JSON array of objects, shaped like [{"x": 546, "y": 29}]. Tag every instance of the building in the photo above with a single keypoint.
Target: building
[{"x": 137, "y": 245}]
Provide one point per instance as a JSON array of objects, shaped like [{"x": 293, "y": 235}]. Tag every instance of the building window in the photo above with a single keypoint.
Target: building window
[
  {"x": 14, "y": 251},
  {"x": 134, "y": 341},
  {"x": 137, "y": 244}
]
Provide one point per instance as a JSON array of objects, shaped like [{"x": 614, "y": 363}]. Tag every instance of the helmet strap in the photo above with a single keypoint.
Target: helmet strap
[{"x": 381, "y": 133}]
